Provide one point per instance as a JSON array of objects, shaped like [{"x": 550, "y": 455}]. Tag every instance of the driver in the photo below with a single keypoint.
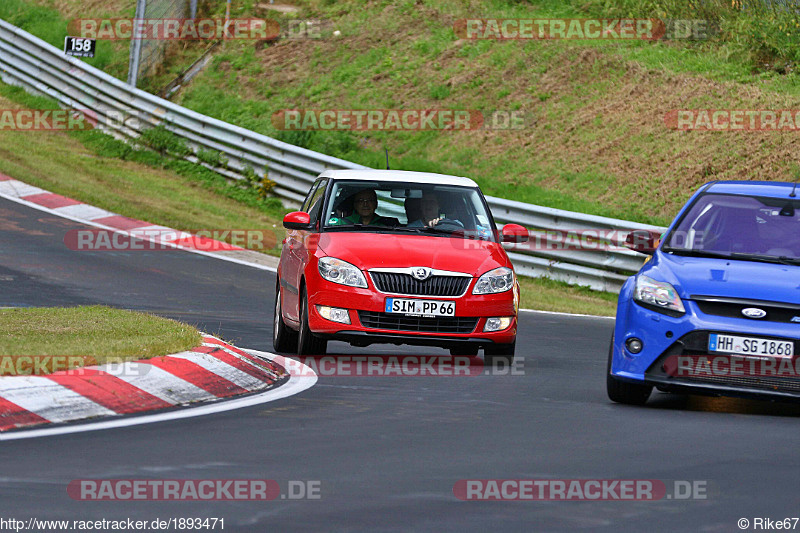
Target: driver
[{"x": 430, "y": 211}]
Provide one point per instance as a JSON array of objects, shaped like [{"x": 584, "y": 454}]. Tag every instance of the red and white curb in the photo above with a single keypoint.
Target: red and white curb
[
  {"x": 213, "y": 371},
  {"x": 23, "y": 193}
]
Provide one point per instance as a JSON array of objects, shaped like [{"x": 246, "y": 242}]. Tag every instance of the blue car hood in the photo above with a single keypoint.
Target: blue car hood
[{"x": 728, "y": 278}]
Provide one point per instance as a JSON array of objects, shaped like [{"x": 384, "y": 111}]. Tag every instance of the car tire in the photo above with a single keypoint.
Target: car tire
[
  {"x": 499, "y": 353},
  {"x": 624, "y": 391},
  {"x": 284, "y": 338},
  {"x": 470, "y": 350},
  {"x": 307, "y": 343}
]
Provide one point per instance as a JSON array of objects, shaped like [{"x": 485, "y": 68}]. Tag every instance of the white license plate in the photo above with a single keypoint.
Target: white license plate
[
  {"x": 406, "y": 306},
  {"x": 750, "y": 346}
]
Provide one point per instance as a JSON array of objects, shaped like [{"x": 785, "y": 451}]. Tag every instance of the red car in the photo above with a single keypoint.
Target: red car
[{"x": 385, "y": 256}]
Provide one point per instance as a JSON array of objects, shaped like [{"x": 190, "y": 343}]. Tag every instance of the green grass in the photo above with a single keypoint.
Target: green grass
[
  {"x": 96, "y": 169},
  {"x": 544, "y": 294},
  {"x": 91, "y": 335}
]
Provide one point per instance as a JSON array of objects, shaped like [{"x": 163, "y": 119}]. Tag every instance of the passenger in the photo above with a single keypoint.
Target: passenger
[{"x": 365, "y": 203}]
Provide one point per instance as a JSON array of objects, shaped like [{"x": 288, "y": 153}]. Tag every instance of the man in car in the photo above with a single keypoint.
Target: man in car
[
  {"x": 430, "y": 215},
  {"x": 365, "y": 203}
]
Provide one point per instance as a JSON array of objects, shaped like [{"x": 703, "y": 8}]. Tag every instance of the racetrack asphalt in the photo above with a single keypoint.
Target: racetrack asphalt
[{"x": 387, "y": 451}]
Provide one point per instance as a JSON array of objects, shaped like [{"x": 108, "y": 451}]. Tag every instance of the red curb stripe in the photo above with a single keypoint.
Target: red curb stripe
[
  {"x": 51, "y": 200},
  {"x": 258, "y": 373},
  {"x": 256, "y": 360},
  {"x": 121, "y": 222},
  {"x": 3, "y": 177},
  {"x": 108, "y": 390},
  {"x": 13, "y": 416},
  {"x": 198, "y": 376}
]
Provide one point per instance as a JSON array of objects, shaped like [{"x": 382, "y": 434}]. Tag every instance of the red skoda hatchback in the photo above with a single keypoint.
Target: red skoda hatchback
[{"x": 385, "y": 256}]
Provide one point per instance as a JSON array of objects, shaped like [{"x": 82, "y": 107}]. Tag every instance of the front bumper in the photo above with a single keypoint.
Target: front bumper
[
  {"x": 370, "y": 324},
  {"x": 665, "y": 337}
]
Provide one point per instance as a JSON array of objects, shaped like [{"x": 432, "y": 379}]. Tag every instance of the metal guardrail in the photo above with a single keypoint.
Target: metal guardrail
[{"x": 123, "y": 111}]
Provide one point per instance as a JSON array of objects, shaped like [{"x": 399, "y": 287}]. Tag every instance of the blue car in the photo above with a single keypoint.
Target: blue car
[{"x": 716, "y": 309}]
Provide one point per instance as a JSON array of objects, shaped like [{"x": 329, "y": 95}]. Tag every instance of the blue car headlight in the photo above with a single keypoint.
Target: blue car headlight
[{"x": 658, "y": 295}]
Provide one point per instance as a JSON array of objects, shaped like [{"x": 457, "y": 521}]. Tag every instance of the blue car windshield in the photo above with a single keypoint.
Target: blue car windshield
[{"x": 739, "y": 226}]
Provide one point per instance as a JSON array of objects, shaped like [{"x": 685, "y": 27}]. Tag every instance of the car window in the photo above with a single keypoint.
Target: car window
[
  {"x": 310, "y": 194},
  {"x": 738, "y": 224},
  {"x": 313, "y": 204},
  {"x": 408, "y": 207}
]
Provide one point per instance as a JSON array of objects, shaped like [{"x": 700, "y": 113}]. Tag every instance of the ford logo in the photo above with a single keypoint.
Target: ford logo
[{"x": 754, "y": 312}]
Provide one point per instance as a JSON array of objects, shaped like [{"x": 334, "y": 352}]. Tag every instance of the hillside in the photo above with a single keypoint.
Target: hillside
[{"x": 595, "y": 137}]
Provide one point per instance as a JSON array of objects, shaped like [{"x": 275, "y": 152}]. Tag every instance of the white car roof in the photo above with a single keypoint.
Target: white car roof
[{"x": 398, "y": 175}]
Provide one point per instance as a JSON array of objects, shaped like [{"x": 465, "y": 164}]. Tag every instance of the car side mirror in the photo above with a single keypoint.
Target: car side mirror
[
  {"x": 297, "y": 220},
  {"x": 514, "y": 233},
  {"x": 644, "y": 241}
]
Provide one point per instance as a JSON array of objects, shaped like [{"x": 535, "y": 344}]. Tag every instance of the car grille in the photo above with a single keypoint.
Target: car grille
[
  {"x": 443, "y": 324},
  {"x": 696, "y": 343},
  {"x": 397, "y": 283},
  {"x": 732, "y": 307}
]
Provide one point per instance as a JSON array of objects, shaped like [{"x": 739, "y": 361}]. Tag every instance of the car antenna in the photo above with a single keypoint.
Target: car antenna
[
  {"x": 387, "y": 158},
  {"x": 792, "y": 195}
]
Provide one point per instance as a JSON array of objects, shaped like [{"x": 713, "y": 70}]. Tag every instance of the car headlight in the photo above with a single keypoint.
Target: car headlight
[
  {"x": 497, "y": 280},
  {"x": 657, "y": 294},
  {"x": 342, "y": 272}
]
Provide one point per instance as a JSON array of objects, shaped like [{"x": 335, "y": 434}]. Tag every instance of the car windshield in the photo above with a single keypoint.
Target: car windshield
[
  {"x": 400, "y": 207},
  {"x": 739, "y": 227}
]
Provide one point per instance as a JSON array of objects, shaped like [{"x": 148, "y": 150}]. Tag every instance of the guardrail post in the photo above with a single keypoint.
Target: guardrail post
[{"x": 136, "y": 44}]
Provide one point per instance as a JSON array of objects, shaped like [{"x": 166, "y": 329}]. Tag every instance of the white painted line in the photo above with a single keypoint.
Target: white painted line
[
  {"x": 158, "y": 382},
  {"x": 50, "y": 400},
  {"x": 61, "y": 213},
  {"x": 222, "y": 369},
  {"x": 568, "y": 314},
  {"x": 15, "y": 188},
  {"x": 294, "y": 386}
]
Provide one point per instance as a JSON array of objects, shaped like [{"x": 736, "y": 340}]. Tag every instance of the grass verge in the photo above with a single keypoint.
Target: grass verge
[
  {"x": 93, "y": 167},
  {"x": 545, "y": 294},
  {"x": 91, "y": 335}
]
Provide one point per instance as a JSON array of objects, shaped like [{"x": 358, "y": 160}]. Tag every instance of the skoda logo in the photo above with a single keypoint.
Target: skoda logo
[
  {"x": 754, "y": 312},
  {"x": 421, "y": 273}
]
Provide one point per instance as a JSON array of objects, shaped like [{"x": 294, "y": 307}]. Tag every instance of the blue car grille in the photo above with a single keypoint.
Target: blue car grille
[
  {"x": 732, "y": 307},
  {"x": 696, "y": 343}
]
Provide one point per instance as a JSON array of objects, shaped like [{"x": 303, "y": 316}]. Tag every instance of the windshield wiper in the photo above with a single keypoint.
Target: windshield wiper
[
  {"x": 735, "y": 255},
  {"x": 695, "y": 253},
  {"x": 767, "y": 258}
]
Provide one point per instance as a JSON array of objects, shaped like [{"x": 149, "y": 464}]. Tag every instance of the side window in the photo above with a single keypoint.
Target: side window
[
  {"x": 310, "y": 195},
  {"x": 316, "y": 199}
]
